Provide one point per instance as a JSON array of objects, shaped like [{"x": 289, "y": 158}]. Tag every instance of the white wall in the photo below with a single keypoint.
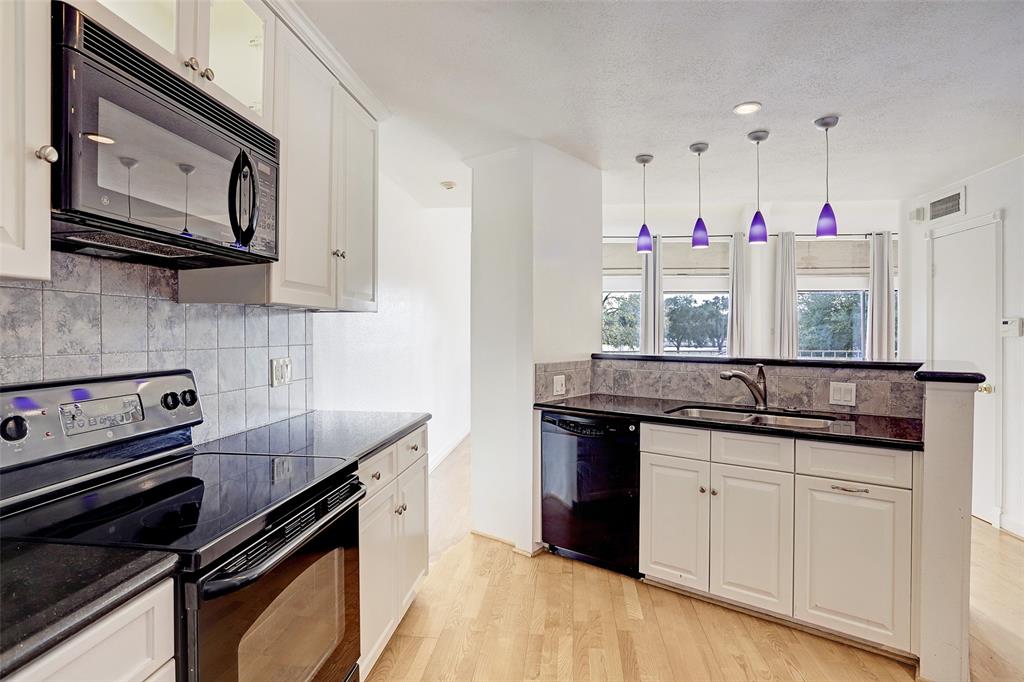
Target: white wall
[
  {"x": 536, "y": 297},
  {"x": 413, "y": 354},
  {"x": 997, "y": 189}
]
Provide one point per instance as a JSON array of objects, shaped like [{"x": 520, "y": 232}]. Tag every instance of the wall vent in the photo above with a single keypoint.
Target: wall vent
[{"x": 952, "y": 204}]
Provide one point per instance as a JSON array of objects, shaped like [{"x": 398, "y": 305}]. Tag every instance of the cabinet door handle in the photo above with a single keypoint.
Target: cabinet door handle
[
  {"x": 399, "y": 511},
  {"x": 207, "y": 73},
  {"x": 375, "y": 475},
  {"x": 192, "y": 63},
  {"x": 342, "y": 255},
  {"x": 702, "y": 490},
  {"x": 338, "y": 253},
  {"x": 414, "y": 447},
  {"x": 47, "y": 153},
  {"x": 405, "y": 507},
  {"x": 714, "y": 492},
  {"x": 851, "y": 490}
]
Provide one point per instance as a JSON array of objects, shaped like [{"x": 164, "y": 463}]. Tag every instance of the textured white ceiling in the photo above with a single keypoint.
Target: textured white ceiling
[{"x": 928, "y": 92}]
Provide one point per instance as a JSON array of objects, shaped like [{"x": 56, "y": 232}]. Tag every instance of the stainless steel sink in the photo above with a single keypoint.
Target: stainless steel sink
[{"x": 758, "y": 418}]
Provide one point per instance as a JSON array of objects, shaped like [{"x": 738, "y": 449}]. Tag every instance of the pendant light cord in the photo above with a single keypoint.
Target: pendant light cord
[
  {"x": 698, "y": 188},
  {"x": 643, "y": 184},
  {"x": 826, "y": 165},
  {"x": 757, "y": 163}
]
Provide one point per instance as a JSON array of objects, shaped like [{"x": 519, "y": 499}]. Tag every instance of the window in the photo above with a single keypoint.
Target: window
[
  {"x": 622, "y": 285},
  {"x": 696, "y": 323}
]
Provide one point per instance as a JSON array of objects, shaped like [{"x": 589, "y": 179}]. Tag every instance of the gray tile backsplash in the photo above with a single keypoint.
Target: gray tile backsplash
[
  {"x": 98, "y": 316},
  {"x": 879, "y": 391}
]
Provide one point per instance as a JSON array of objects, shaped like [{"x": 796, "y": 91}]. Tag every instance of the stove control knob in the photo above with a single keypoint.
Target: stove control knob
[
  {"x": 189, "y": 397},
  {"x": 13, "y": 429},
  {"x": 170, "y": 401}
]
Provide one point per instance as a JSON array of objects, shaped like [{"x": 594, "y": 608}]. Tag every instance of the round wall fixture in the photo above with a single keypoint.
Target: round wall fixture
[
  {"x": 746, "y": 108},
  {"x": 448, "y": 184}
]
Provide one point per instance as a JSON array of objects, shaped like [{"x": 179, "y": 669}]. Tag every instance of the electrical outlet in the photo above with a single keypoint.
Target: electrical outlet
[
  {"x": 280, "y": 371},
  {"x": 559, "y": 388},
  {"x": 842, "y": 393}
]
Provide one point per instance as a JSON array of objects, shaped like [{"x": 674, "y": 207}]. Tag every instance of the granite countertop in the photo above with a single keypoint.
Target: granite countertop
[
  {"x": 858, "y": 429},
  {"x": 51, "y": 591},
  {"x": 339, "y": 434}
]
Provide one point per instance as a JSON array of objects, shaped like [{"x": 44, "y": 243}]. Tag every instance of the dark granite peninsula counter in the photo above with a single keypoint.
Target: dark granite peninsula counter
[
  {"x": 49, "y": 592},
  {"x": 859, "y": 429}
]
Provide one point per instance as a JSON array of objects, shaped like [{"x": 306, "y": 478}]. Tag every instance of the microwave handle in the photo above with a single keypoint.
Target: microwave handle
[
  {"x": 243, "y": 235},
  {"x": 231, "y": 582}
]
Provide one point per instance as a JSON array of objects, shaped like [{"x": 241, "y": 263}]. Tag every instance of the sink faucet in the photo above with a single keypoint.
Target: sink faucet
[{"x": 758, "y": 388}]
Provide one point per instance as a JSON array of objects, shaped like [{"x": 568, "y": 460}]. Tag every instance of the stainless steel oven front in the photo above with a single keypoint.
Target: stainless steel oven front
[{"x": 286, "y": 606}]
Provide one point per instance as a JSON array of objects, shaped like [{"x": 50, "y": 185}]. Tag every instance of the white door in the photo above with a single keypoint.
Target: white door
[
  {"x": 235, "y": 39},
  {"x": 303, "y": 120},
  {"x": 852, "y": 559},
  {"x": 752, "y": 536},
  {"x": 965, "y": 304},
  {"x": 24, "y": 130},
  {"x": 412, "y": 532},
  {"x": 675, "y": 509},
  {"x": 378, "y": 533},
  {"x": 356, "y": 212}
]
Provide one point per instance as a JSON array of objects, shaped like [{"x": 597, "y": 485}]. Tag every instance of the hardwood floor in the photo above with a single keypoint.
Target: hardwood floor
[{"x": 488, "y": 613}]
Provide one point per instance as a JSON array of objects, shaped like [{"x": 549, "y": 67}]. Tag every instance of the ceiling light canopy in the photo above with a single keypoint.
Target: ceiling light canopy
[
  {"x": 746, "y": 108},
  {"x": 826, "y": 228},
  {"x": 644, "y": 243},
  {"x": 758, "y": 233},
  {"x": 699, "y": 240}
]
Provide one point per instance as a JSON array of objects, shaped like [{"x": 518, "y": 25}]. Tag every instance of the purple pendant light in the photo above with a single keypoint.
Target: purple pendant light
[
  {"x": 644, "y": 243},
  {"x": 758, "y": 233},
  {"x": 699, "y": 240},
  {"x": 827, "y": 218}
]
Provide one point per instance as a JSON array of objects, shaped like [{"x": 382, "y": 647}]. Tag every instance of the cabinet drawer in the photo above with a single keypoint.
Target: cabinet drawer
[
  {"x": 855, "y": 463},
  {"x": 129, "y": 644},
  {"x": 675, "y": 440},
  {"x": 377, "y": 471},
  {"x": 749, "y": 450},
  {"x": 411, "y": 448}
]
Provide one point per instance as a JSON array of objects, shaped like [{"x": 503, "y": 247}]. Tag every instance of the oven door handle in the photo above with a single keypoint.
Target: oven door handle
[{"x": 235, "y": 581}]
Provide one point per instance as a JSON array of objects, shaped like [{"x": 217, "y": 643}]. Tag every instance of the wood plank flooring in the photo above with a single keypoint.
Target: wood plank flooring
[{"x": 487, "y": 613}]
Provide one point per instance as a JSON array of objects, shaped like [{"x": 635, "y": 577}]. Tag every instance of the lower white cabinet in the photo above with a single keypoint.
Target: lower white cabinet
[
  {"x": 675, "y": 508},
  {"x": 128, "y": 645},
  {"x": 393, "y": 556},
  {"x": 853, "y": 559},
  {"x": 752, "y": 537}
]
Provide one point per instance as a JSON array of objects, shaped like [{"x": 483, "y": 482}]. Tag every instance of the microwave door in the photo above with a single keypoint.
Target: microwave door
[{"x": 139, "y": 160}]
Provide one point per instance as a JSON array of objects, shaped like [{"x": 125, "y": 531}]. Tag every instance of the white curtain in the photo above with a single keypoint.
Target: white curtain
[
  {"x": 738, "y": 318},
  {"x": 785, "y": 296},
  {"x": 881, "y": 334}
]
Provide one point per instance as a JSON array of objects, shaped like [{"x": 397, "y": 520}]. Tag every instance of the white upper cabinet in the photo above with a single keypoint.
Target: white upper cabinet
[
  {"x": 356, "y": 246},
  {"x": 24, "y": 133},
  {"x": 306, "y": 125},
  {"x": 235, "y": 45},
  {"x": 226, "y": 47}
]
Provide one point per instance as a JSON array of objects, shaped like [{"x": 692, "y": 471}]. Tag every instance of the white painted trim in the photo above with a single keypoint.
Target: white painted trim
[
  {"x": 445, "y": 456},
  {"x": 1014, "y": 525},
  {"x": 289, "y": 13},
  {"x": 995, "y": 219}
]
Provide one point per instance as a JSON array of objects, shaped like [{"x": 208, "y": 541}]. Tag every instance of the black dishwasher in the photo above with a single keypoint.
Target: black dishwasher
[{"x": 590, "y": 489}]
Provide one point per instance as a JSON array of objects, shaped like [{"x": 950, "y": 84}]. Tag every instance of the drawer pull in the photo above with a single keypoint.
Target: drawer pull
[
  {"x": 702, "y": 490},
  {"x": 850, "y": 490},
  {"x": 414, "y": 447},
  {"x": 375, "y": 475}
]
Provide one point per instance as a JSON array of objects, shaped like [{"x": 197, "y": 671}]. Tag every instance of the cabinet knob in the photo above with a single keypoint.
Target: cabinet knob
[
  {"x": 414, "y": 447},
  {"x": 47, "y": 153},
  {"x": 207, "y": 73},
  {"x": 399, "y": 511},
  {"x": 192, "y": 63},
  {"x": 338, "y": 253},
  {"x": 985, "y": 388},
  {"x": 702, "y": 489},
  {"x": 714, "y": 492},
  {"x": 375, "y": 475},
  {"x": 342, "y": 255},
  {"x": 405, "y": 507}
]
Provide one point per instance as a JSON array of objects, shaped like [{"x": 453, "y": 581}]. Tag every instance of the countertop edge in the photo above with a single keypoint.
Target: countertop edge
[
  {"x": 60, "y": 631},
  {"x": 940, "y": 376},
  {"x": 891, "y": 365},
  {"x": 393, "y": 437},
  {"x": 892, "y": 444}
]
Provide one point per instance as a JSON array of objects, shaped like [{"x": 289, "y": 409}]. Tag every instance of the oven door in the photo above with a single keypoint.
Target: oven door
[
  {"x": 130, "y": 156},
  {"x": 290, "y": 610}
]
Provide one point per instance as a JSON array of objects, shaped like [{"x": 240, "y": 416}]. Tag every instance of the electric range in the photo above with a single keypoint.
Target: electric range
[{"x": 110, "y": 462}]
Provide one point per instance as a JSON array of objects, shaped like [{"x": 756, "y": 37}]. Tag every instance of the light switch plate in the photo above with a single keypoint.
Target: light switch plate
[
  {"x": 559, "y": 387},
  {"x": 842, "y": 393},
  {"x": 280, "y": 371}
]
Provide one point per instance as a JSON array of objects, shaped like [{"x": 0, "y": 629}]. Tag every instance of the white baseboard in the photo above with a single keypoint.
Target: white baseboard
[
  {"x": 1012, "y": 525},
  {"x": 443, "y": 457}
]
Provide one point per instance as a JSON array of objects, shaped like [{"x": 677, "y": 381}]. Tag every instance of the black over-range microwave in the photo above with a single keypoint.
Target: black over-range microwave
[{"x": 150, "y": 168}]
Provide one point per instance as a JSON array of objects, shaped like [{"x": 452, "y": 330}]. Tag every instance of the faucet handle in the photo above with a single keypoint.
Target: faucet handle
[{"x": 725, "y": 375}]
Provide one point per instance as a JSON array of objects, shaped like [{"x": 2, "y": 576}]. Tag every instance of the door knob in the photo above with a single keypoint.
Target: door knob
[
  {"x": 192, "y": 63},
  {"x": 47, "y": 153},
  {"x": 985, "y": 388},
  {"x": 207, "y": 73}
]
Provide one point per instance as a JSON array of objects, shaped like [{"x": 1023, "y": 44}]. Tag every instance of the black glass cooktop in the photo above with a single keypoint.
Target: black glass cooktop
[{"x": 200, "y": 506}]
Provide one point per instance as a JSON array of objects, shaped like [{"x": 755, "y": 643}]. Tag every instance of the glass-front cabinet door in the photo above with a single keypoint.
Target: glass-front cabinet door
[
  {"x": 163, "y": 29},
  {"x": 236, "y": 39}
]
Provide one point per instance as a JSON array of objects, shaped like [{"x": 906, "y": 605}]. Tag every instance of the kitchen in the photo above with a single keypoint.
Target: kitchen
[{"x": 262, "y": 414}]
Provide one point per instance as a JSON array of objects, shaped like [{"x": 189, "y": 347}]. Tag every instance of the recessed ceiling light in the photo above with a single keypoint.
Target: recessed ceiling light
[
  {"x": 100, "y": 139},
  {"x": 448, "y": 184},
  {"x": 744, "y": 108}
]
